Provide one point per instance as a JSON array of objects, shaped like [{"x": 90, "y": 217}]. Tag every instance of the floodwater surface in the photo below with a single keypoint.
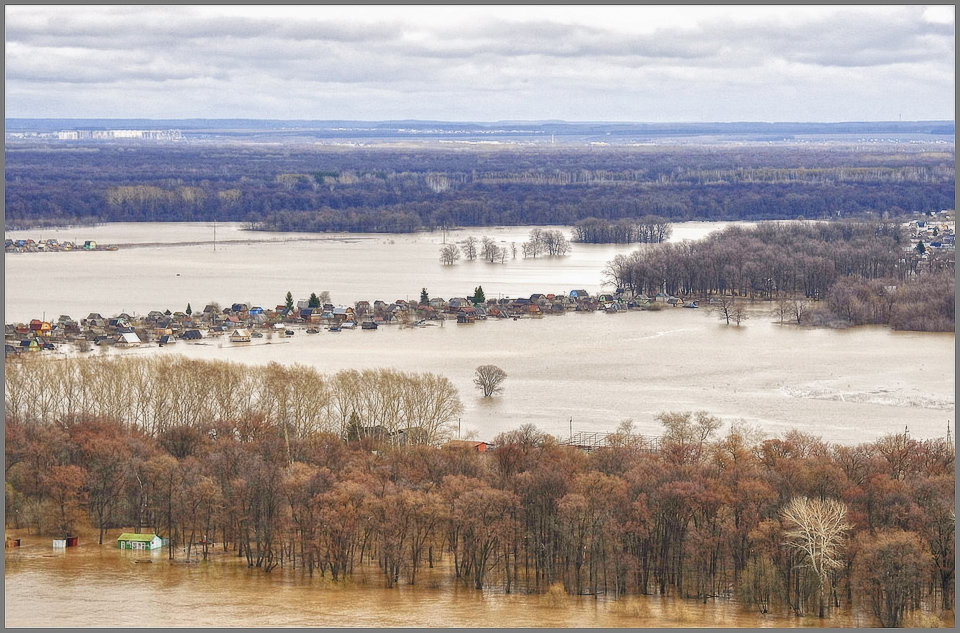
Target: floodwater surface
[
  {"x": 101, "y": 586},
  {"x": 175, "y": 264},
  {"x": 577, "y": 371}
]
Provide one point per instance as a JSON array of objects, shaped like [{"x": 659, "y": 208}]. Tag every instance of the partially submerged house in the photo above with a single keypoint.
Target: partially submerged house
[
  {"x": 240, "y": 336},
  {"x": 128, "y": 339},
  {"x": 128, "y": 540}
]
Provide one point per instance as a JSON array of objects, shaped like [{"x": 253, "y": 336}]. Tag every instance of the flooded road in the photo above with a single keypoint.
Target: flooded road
[{"x": 103, "y": 586}]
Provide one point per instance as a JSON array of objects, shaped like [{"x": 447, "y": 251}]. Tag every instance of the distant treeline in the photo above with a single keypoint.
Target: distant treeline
[
  {"x": 866, "y": 272},
  {"x": 297, "y": 188},
  {"x": 649, "y": 228}
]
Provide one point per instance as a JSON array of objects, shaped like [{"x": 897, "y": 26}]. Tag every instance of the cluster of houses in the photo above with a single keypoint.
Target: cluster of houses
[
  {"x": 243, "y": 322},
  {"x": 937, "y": 232},
  {"x": 52, "y": 246}
]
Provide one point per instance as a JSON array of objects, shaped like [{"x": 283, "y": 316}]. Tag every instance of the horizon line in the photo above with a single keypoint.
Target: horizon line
[{"x": 515, "y": 121}]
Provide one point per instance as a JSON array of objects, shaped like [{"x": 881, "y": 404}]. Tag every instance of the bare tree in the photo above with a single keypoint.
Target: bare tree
[
  {"x": 817, "y": 529},
  {"x": 535, "y": 246},
  {"x": 470, "y": 248},
  {"x": 799, "y": 310},
  {"x": 489, "y": 379},
  {"x": 725, "y": 308},
  {"x": 489, "y": 250},
  {"x": 554, "y": 243},
  {"x": 739, "y": 313},
  {"x": 784, "y": 308},
  {"x": 449, "y": 254}
]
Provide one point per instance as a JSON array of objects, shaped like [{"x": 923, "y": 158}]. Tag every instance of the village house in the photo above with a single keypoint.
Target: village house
[
  {"x": 456, "y": 303},
  {"x": 128, "y": 339},
  {"x": 31, "y": 345},
  {"x": 467, "y": 315},
  {"x": 240, "y": 336},
  {"x": 480, "y": 447},
  {"x": 41, "y": 328}
]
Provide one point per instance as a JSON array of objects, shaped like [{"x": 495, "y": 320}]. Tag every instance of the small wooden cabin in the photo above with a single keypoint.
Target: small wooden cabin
[
  {"x": 240, "y": 336},
  {"x": 128, "y": 540}
]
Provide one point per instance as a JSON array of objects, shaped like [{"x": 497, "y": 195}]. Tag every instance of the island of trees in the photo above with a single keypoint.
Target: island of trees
[
  {"x": 649, "y": 228},
  {"x": 855, "y": 272},
  {"x": 321, "y": 475}
]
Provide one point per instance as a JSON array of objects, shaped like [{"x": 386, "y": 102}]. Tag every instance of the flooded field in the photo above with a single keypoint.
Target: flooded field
[
  {"x": 573, "y": 372},
  {"x": 589, "y": 371},
  {"x": 176, "y": 264},
  {"x": 581, "y": 371},
  {"x": 95, "y": 585}
]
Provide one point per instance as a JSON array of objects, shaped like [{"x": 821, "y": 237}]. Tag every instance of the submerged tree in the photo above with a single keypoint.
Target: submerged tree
[
  {"x": 449, "y": 254},
  {"x": 889, "y": 571},
  {"x": 470, "y": 248},
  {"x": 489, "y": 379},
  {"x": 817, "y": 528}
]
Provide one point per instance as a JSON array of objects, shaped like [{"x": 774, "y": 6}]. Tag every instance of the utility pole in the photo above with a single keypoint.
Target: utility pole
[
  {"x": 571, "y": 428},
  {"x": 458, "y": 428},
  {"x": 214, "y": 235}
]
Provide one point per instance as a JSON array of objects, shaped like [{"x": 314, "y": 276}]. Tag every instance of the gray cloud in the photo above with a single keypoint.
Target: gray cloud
[{"x": 160, "y": 61}]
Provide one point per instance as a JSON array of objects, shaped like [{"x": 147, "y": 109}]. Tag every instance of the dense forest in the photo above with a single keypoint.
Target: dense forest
[
  {"x": 785, "y": 524},
  {"x": 859, "y": 272},
  {"x": 402, "y": 189}
]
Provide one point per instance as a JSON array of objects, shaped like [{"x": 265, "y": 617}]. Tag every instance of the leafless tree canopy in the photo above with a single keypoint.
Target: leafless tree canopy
[
  {"x": 470, "y": 248},
  {"x": 817, "y": 528},
  {"x": 489, "y": 379},
  {"x": 153, "y": 394},
  {"x": 449, "y": 254},
  {"x": 550, "y": 242}
]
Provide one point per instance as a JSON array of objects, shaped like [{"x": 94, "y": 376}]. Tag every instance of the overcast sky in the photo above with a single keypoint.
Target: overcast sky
[{"x": 482, "y": 64}]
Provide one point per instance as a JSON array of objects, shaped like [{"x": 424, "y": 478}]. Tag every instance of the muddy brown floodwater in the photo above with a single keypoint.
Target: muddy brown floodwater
[{"x": 97, "y": 586}]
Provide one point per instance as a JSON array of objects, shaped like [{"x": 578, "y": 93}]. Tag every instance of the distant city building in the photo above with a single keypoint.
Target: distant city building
[{"x": 109, "y": 135}]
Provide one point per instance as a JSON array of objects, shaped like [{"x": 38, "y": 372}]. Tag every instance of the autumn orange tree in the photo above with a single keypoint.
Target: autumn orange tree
[{"x": 789, "y": 523}]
